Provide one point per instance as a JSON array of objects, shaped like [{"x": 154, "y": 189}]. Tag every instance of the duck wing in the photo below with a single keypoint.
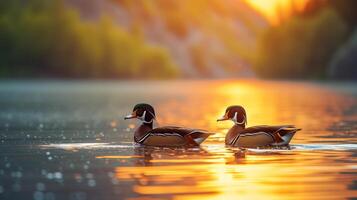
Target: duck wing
[
  {"x": 277, "y": 132},
  {"x": 194, "y": 135}
]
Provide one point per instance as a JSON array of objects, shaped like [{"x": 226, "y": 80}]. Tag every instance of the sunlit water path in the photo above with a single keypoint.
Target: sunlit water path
[{"x": 67, "y": 140}]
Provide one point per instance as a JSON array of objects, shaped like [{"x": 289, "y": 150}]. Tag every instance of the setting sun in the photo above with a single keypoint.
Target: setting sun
[{"x": 273, "y": 10}]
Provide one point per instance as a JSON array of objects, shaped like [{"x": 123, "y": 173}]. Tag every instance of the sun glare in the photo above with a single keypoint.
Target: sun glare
[{"x": 273, "y": 10}]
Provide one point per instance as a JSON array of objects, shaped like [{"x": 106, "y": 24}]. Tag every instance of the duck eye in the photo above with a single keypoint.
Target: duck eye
[
  {"x": 230, "y": 114},
  {"x": 139, "y": 112}
]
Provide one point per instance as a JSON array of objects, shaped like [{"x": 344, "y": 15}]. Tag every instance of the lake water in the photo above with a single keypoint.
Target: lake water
[{"x": 68, "y": 140}]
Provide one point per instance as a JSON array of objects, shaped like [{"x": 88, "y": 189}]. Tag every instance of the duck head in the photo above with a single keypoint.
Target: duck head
[
  {"x": 144, "y": 112},
  {"x": 236, "y": 114}
]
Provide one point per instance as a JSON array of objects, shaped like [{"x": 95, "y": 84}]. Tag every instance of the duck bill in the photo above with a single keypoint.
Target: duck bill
[
  {"x": 131, "y": 116},
  {"x": 224, "y": 118}
]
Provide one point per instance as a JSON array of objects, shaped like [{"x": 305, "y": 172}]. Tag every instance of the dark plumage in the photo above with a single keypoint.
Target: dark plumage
[
  {"x": 163, "y": 136},
  {"x": 255, "y": 136}
]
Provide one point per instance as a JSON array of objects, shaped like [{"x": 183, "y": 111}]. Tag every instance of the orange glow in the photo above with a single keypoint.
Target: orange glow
[
  {"x": 274, "y": 10},
  {"x": 113, "y": 124},
  {"x": 227, "y": 177},
  {"x": 214, "y": 171}
]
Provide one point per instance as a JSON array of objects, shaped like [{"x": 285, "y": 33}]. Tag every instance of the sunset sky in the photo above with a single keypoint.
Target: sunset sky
[{"x": 269, "y": 8}]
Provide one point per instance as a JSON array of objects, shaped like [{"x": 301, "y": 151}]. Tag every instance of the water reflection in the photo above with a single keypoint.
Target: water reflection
[
  {"x": 61, "y": 150},
  {"x": 218, "y": 172}
]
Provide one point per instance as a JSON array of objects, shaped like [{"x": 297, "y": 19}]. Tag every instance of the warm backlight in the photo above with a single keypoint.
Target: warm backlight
[{"x": 275, "y": 10}]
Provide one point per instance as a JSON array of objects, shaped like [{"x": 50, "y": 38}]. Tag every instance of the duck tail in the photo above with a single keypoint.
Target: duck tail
[
  {"x": 200, "y": 136},
  {"x": 288, "y": 130},
  {"x": 291, "y": 129},
  {"x": 277, "y": 137}
]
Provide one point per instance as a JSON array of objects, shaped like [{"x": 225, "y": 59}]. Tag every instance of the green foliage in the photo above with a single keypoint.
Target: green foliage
[
  {"x": 300, "y": 47},
  {"x": 45, "y": 38},
  {"x": 214, "y": 19}
]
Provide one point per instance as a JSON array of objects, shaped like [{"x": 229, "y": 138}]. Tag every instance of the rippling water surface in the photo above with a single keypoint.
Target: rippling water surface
[{"x": 68, "y": 140}]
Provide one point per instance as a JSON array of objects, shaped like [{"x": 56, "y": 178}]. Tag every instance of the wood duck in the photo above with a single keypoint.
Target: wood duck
[
  {"x": 169, "y": 136},
  {"x": 255, "y": 136}
]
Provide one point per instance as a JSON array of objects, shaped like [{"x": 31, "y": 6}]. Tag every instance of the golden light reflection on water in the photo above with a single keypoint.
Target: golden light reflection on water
[{"x": 217, "y": 172}]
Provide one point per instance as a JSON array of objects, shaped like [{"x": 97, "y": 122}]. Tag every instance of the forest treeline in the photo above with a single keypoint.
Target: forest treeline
[
  {"x": 47, "y": 39},
  {"x": 315, "y": 43},
  {"x": 126, "y": 39},
  {"x": 196, "y": 39}
]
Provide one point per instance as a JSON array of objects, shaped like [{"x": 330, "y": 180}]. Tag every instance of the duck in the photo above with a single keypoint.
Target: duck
[
  {"x": 255, "y": 136},
  {"x": 166, "y": 136}
]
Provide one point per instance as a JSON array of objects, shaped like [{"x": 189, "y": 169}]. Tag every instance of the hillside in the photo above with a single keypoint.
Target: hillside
[
  {"x": 124, "y": 39},
  {"x": 204, "y": 38}
]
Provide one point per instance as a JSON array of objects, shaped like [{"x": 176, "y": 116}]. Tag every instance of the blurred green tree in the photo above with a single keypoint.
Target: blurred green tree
[
  {"x": 301, "y": 47},
  {"x": 45, "y": 38}
]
